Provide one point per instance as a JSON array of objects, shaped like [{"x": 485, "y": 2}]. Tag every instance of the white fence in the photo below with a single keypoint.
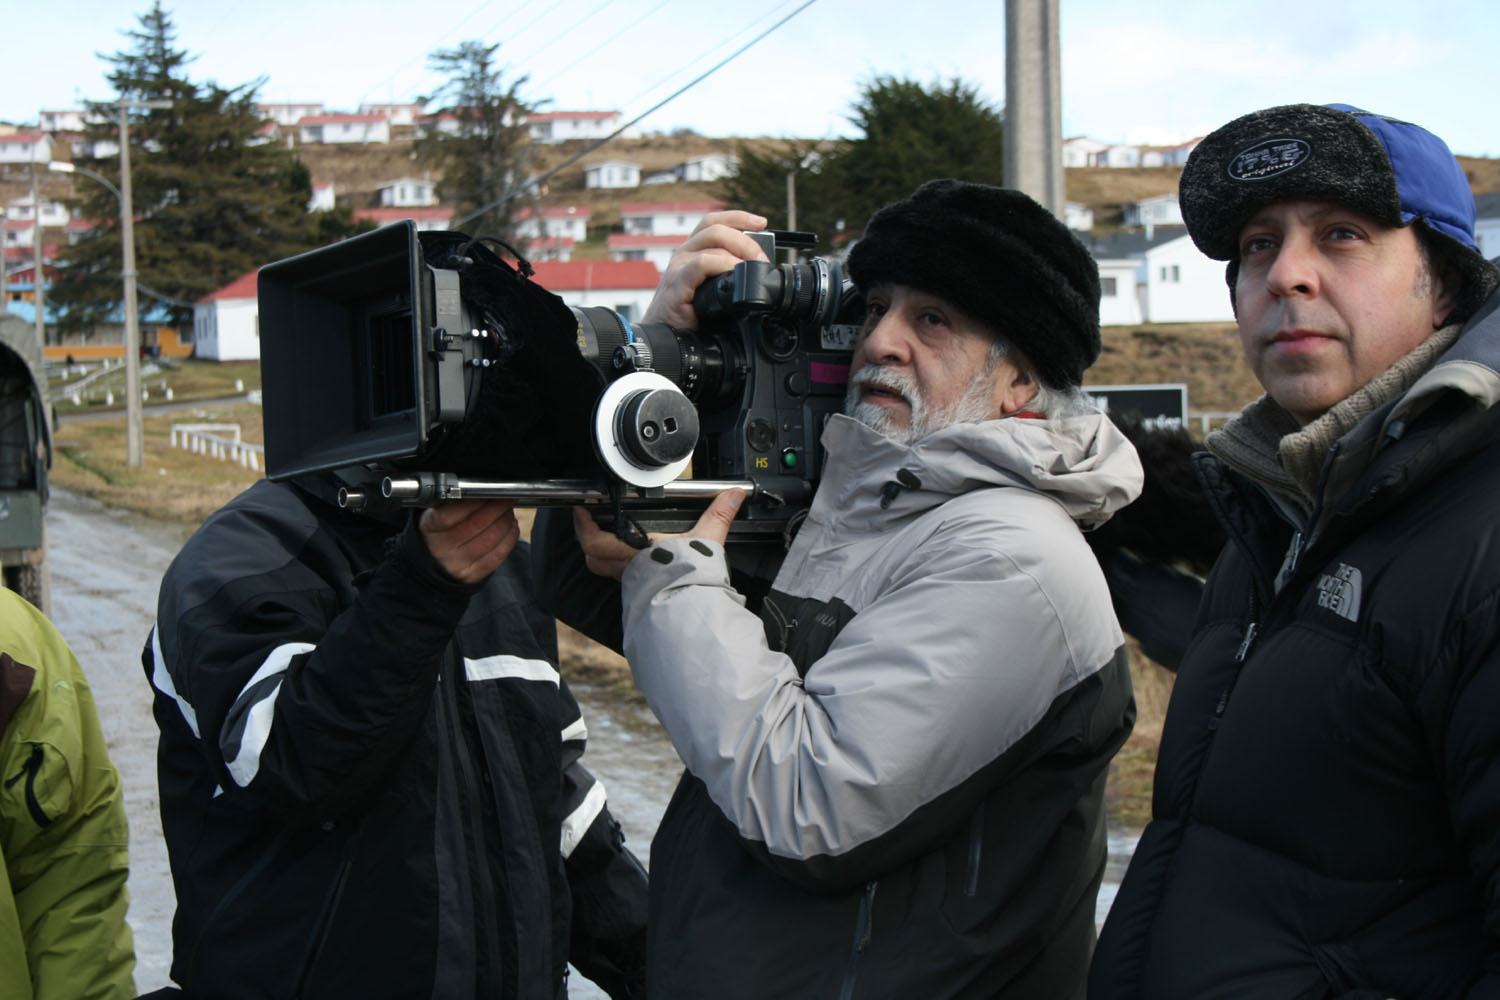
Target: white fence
[{"x": 221, "y": 441}]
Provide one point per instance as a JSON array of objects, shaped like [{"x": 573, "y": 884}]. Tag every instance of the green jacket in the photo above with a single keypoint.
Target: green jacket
[{"x": 63, "y": 833}]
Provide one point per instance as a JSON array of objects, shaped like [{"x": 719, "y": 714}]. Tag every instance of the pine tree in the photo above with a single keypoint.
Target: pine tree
[
  {"x": 486, "y": 155},
  {"x": 211, "y": 202},
  {"x": 909, "y": 134}
]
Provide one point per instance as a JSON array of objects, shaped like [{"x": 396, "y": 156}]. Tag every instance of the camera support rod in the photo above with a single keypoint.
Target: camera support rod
[{"x": 429, "y": 488}]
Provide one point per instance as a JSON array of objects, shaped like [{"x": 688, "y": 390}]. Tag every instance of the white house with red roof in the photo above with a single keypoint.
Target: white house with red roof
[
  {"x": 408, "y": 192},
  {"x": 67, "y": 120},
  {"x": 396, "y": 114},
  {"x": 343, "y": 128},
  {"x": 288, "y": 115},
  {"x": 560, "y": 126},
  {"x": 664, "y": 218},
  {"x": 26, "y": 147},
  {"x": 612, "y": 174},
  {"x": 429, "y": 217},
  {"x": 226, "y": 323},
  {"x": 626, "y": 286},
  {"x": 553, "y": 221},
  {"x": 637, "y": 246}
]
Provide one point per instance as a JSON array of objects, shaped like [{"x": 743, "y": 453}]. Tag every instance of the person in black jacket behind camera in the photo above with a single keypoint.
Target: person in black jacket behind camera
[{"x": 369, "y": 765}]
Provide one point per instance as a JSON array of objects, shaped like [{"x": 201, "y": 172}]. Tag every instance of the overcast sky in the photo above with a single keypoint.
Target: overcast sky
[{"x": 1140, "y": 71}]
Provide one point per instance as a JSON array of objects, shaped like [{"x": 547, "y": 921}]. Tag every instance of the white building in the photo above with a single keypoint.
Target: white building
[
  {"x": 1119, "y": 296},
  {"x": 396, "y": 114},
  {"x": 560, "y": 126},
  {"x": 709, "y": 167},
  {"x": 1169, "y": 279},
  {"x": 1081, "y": 151},
  {"x": 612, "y": 174},
  {"x": 626, "y": 286},
  {"x": 70, "y": 120},
  {"x": 288, "y": 115},
  {"x": 634, "y": 246},
  {"x": 664, "y": 218},
  {"x": 323, "y": 197},
  {"x": 226, "y": 323},
  {"x": 1078, "y": 217},
  {"x": 1487, "y": 223},
  {"x": 1162, "y": 210},
  {"x": 553, "y": 222},
  {"x": 54, "y": 213},
  {"x": 408, "y": 192},
  {"x": 330, "y": 129},
  {"x": 26, "y": 147}
]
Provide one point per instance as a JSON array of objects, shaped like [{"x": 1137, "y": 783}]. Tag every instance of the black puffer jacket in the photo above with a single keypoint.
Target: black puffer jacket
[
  {"x": 369, "y": 773},
  {"x": 1327, "y": 801}
]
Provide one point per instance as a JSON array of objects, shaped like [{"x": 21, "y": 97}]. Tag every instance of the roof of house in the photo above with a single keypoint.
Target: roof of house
[
  {"x": 426, "y": 213},
  {"x": 1132, "y": 244},
  {"x": 1487, "y": 205},
  {"x": 630, "y": 241},
  {"x": 555, "y": 212},
  {"x": 244, "y": 287},
  {"x": 552, "y": 116},
  {"x": 340, "y": 119},
  {"x": 26, "y": 137},
  {"x": 664, "y": 207},
  {"x": 582, "y": 275}
]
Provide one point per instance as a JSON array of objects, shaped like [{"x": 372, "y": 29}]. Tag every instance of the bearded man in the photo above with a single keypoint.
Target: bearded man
[{"x": 895, "y": 773}]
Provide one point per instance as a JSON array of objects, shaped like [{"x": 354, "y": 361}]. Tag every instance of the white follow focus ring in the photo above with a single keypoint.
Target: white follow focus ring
[{"x": 607, "y": 443}]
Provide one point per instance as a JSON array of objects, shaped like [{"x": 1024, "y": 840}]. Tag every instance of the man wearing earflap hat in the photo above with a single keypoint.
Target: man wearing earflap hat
[
  {"x": 1327, "y": 806},
  {"x": 895, "y": 773}
]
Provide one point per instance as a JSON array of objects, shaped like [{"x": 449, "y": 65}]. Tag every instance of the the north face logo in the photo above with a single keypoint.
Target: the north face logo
[
  {"x": 1268, "y": 159},
  {"x": 1339, "y": 592}
]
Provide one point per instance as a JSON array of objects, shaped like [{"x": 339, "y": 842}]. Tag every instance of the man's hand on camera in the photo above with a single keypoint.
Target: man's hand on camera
[
  {"x": 716, "y": 246},
  {"x": 606, "y": 555},
  {"x": 470, "y": 538}
]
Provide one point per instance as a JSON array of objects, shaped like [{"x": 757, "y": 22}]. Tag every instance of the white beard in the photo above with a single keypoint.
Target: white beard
[{"x": 972, "y": 406}]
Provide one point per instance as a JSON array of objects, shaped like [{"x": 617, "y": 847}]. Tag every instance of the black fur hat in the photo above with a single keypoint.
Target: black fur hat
[
  {"x": 1393, "y": 171},
  {"x": 999, "y": 256}
]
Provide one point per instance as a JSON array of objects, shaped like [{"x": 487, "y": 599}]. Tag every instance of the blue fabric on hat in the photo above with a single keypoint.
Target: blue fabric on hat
[{"x": 1430, "y": 182}]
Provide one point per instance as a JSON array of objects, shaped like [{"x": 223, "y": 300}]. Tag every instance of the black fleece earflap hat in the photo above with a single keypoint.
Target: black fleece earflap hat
[
  {"x": 1393, "y": 171},
  {"x": 1000, "y": 257}
]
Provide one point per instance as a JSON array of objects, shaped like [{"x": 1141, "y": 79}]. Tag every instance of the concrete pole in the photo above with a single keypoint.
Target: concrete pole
[
  {"x": 134, "y": 450},
  {"x": 1033, "y": 102},
  {"x": 38, "y": 297}
]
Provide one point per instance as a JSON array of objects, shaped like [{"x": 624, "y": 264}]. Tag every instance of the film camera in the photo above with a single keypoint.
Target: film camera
[{"x": 423, "y": 367}]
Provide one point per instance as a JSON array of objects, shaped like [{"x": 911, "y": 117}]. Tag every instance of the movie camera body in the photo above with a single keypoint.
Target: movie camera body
[{"x": 422, "y": 367}]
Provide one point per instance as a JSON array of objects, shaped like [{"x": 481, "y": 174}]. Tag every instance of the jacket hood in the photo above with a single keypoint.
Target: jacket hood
[
  {"x": 1471, "y": 366},
  {"x": 1084, "y": 463}
]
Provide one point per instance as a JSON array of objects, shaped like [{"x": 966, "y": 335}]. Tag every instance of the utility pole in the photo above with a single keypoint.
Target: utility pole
[
  {"x": 134, "y": 451},
  {"x": 38, "y": 274},
  {"x": 1033, "y": 102}
]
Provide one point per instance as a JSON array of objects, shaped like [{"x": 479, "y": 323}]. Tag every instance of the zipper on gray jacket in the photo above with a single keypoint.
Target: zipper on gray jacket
[{"x": 864, "y": 927}]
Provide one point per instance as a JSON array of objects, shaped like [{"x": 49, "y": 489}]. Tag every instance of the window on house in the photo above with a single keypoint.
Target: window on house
[
  {"x": 1171, "y": 273},
  {"x": 1107, "y": 288}
]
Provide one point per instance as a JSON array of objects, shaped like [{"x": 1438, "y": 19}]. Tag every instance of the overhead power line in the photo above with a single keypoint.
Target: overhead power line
[{"x": 534, "y": 181}]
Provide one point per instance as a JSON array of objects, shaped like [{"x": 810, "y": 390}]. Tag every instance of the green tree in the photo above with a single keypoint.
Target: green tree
[
  {"x": 212, "y": 200},
  {"x": 767, "y": 183},
  {"x": 908, "y": 133},
  {"x": 485, "y": 154}
]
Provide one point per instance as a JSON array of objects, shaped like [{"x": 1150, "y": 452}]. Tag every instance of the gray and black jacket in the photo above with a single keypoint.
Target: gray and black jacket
[
  {"x": 1327, "y": 801},
  {"x": 895, "y": 773},
  {"x": 369, "y": 773}
]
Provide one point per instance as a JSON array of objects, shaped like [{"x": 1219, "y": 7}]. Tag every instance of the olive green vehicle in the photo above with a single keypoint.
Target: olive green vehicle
[{"x": 25, "y": 457}]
